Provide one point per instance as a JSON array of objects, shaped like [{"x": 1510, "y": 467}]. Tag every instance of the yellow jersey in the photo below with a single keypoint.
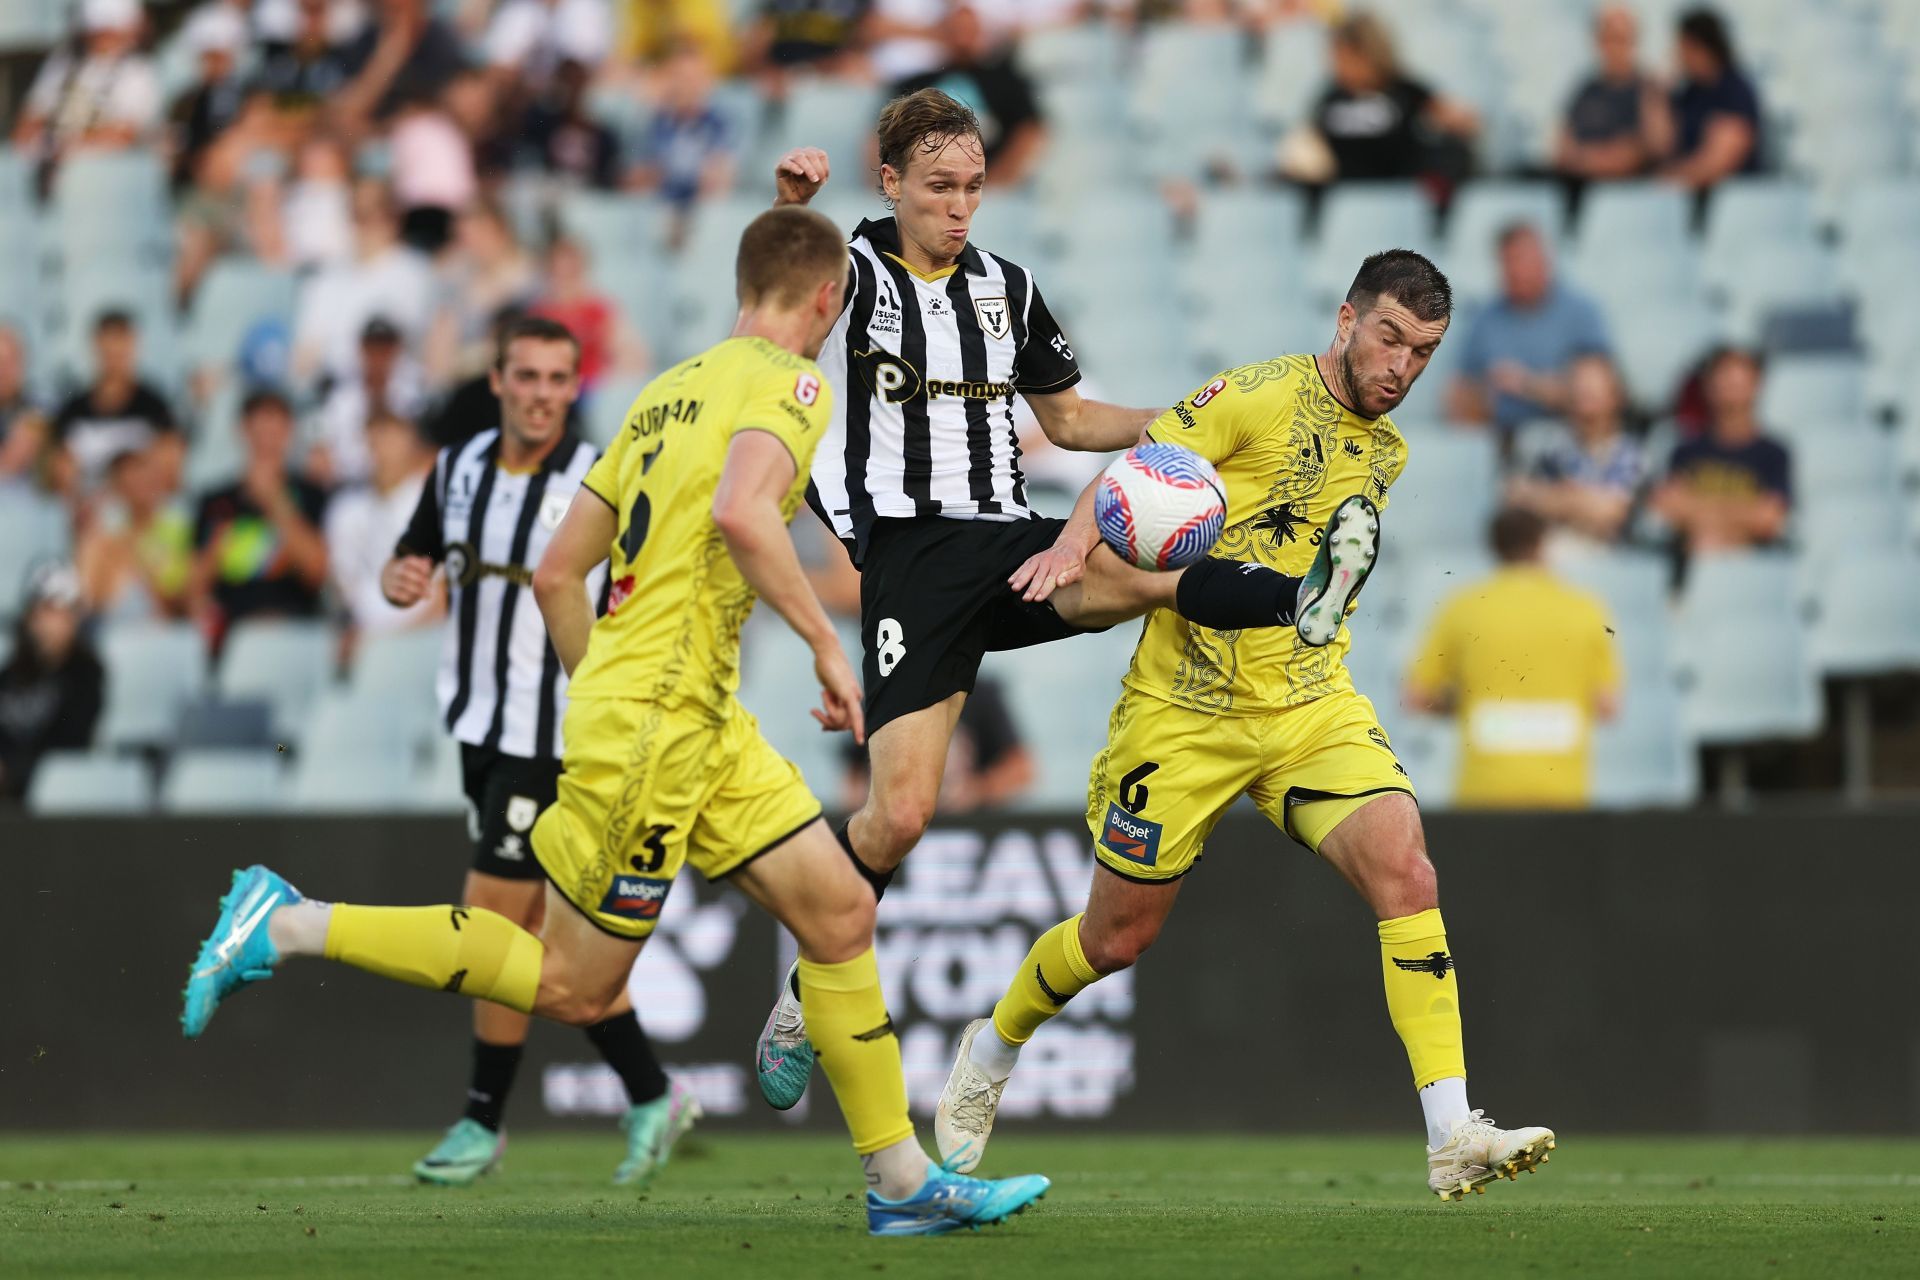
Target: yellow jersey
[
  {"x": 676, "y": 601},
  {"x": 1526, "y": 656},
  {"x": 1288, "y": 453}
]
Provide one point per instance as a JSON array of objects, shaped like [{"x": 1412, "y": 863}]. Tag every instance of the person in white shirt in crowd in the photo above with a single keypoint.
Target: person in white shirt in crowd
[
  {"x": 316, "y": 213},
  {"x": 102, "y": 93},
  {"x": 905, "y": 38},
  {"x": 384, "y": 278},
  {"x": 529, "y": 39},
  {"x": 364, "y": 523},
  {"x": 390, "y": 383}
]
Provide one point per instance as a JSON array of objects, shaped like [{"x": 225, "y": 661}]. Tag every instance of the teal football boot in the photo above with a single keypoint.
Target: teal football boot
[{"x": 238, "y": 951}]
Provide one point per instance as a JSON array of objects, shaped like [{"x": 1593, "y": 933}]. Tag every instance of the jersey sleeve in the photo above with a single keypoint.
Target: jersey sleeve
[
  {"x": 791, "y": 405},
  {"x": 1215, "y": 421},
  {"x": 425, "y": 535},
  {"x": 1046, "y": 362}
]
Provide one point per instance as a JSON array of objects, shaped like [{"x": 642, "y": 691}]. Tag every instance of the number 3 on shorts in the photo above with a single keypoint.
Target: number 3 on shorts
[{"x": 889, "y": 645}]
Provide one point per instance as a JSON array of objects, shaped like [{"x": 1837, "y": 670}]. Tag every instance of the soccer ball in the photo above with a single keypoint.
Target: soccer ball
[{"x": 1160, "y": 506}]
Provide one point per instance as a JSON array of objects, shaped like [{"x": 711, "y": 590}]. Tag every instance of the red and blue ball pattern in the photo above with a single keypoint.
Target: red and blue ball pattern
[{"x": 1160, "y": 506}]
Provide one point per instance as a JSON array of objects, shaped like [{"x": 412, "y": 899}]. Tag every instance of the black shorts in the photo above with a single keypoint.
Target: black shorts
[
  {"x": 934, "y": 600},
  {"x": 505, "y": 794}
]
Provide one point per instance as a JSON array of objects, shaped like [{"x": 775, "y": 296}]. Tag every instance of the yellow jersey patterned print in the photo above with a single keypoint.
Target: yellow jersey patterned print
[
  {"x": 1207, "y": 716},
  {"x": 663, "y": 765}
]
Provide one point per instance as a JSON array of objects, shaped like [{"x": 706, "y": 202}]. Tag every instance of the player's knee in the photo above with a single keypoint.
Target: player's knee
[
  {"x": 1111, "y": 950},
  {"x": 904, "y": 818},
  {"x": 1409, "y": 882},
  {"x": 563, "y": 1001}
]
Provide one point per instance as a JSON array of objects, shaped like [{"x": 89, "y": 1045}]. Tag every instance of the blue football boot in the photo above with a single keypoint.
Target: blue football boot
[
  {"x": 238, "y": 950},
  {"x": 949, "y": 1201}
]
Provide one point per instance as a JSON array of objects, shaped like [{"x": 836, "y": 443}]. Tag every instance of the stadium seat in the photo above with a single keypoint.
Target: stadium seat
[
  {"x": 1292, "y": 69},
  {"x": 1746, "y": 682},
  {"x": 1749, "y": 217},
  {"x": 397, "y": 665},
  {"x": 1636, "y": 586},
  {"x": 1656, "y": 347},
  {"x": 154, "y": 671},
  {"x": 1643, "y": 758},
  {"x": 80, "y": 784},
  {"x": 1091, "y": 51},
  {"x": 1060, "y": 695},
  {"x": 1447, "y": 494},
  {"x": 1874, "y": 212},
  {"x": 776, "y": 684},
  {"x": 1865, "y": 610},
  {"x": 1744, "y": 587},
  {"x": 1480, "y": 213},
  {"x": 834, "y": 115},
  {"x": 339, "y": 724},
  {"x": 1188, "y": 122},
  {"x": 34, "y": 530},
  {"x": 1802, "y": 397},
  {"x": 1841, "y": 458},
  {"x": 284, "y": 661},
  {"x": 439, "y": 784},
  {"x": 1769, "y": 278},
  {"x": 224, "y": 781},
  {"x": 235, "y": 295},
  {"x": 30, "y": 24},
  {"x": 353, "y": 783},
  {"x": 1621, "y": 220},
  {"x": 1359, "y": 220},
  {"x": 615, "y": 227}
]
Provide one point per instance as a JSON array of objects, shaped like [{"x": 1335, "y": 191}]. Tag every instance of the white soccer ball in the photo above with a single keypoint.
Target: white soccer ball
[{"x": 1160, "y": 506}]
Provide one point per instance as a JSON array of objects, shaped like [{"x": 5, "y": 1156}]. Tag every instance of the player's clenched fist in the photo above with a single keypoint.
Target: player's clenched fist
[
  {"x": 404, "y": 581},
  {"x": 800, "y": 173}
]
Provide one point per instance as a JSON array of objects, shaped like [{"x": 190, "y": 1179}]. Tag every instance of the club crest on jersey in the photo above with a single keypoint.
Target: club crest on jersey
[
  {"x": 636, "y": 897},
  {"x": 993, "y": 316},
  {"x": 806, "y": 389},
  {"x": 1130, "y": 836},
  {"x": 553, "y": 509}
]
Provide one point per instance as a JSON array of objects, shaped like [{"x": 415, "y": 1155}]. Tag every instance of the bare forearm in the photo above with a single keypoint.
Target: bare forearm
[
  {"x": 757, "y": 539},
  {"x": 1097, "y": 427},
  {"x": 569, "y": 617}
]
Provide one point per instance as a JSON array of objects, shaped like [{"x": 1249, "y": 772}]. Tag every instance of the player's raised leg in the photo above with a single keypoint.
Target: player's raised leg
[
  {"x": 1380, "y": 848},
  {"x": 807, "y": 884},
  {"x": 1122, "y": 919}
]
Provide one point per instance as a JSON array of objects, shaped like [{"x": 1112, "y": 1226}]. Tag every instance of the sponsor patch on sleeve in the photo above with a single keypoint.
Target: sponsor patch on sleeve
[
  {"x": 806, "y": 389},
  {"x": 636, "y": 897},
  {"x": 1208, "y": 392},
  {"x": 1130, "y": 836}
]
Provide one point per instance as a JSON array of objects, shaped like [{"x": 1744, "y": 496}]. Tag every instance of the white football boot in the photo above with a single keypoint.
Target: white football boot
[
  {"x": 964, "y": 1118},
  {"x": 1478, "y": 1151}
]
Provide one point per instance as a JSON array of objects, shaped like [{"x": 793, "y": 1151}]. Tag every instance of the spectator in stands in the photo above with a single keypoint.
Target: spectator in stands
[
  {"x": 472, "y": 406},
  {"x": 389, "y": 384},
  {"x": 310, "y": 65},
  {"x": 489, "y": 120},
  {"x": 216, "y": 34},
  {"x": 646, "y": 31},
  {"x": 1513, "y": 364},
  {"x": 988, "y": 764},
  {"x": 1526, "y": 664},
  {"x": 987, "y": 79},
  {"x": 1376, "y": 121},
  {"x": 365, "y": 522},
  {"x": 529, "y": 40},
  {"x": 571, "y": 144},
  {"x": 408, "y": 54},
  {"x": 102, "y": 94},
  {"x": 1585, "y": 482},
  {"x": 1715, "y": 128},
  {"x": 486, "y": 271},
  {"x": 231, "y": 201},
  {"x": 688, "y": 151},
  {"x": 316, "y": 213},
  {"x": 1731, "y": 487},
  {"x": 23, "y": 426},
  {"x": 1619, "y": 113},
  {"x": 135, "y": 557},
  {"x": 826, "y": 36},
  {"x": 259, "y": 552},
  {"x": 433, "y": 174},
  {"x": 52, "y": 688},
  {"x": 905, "y": 38},
  {"x": 385, "y": 278},
  {"x": 118, "y": 411},
  {"x": 608, "y": 344}
]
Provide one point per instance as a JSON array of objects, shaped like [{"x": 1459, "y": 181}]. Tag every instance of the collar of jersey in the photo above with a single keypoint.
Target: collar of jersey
[{"x": 884, "y": 235}]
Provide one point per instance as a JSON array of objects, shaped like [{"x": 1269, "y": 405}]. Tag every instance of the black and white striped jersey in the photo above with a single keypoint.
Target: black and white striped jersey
[
  {"x": 925, "y": 372},
  {"x": 500, "y": 683}
]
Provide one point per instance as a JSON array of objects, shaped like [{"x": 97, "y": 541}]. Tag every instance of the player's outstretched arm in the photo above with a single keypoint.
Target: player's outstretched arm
[
  {"x": 746, "y": 509},
  {"x": 1065, "y": 561},
  {"x": 560, "y": 583},
  {"x": 1072, "y": 421},
  {"x": 799, "y": 176}
]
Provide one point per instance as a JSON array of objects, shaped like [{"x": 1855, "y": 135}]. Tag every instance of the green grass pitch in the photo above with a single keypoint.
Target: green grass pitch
[{"x": 262, "y": 1205}]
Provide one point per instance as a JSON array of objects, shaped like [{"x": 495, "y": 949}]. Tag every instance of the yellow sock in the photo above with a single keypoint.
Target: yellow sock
[
  {"x": 469, "y": 950},
  {"x": 1423, "y": 995},
  {"x": 853, "y": 1036},
  {"x": 1054, "y": 972}
]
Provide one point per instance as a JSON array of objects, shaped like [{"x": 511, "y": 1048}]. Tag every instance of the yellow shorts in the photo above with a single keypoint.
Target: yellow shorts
[
  {"x": 1168, "y": 773},
  {"x": 646, "y": 789}
]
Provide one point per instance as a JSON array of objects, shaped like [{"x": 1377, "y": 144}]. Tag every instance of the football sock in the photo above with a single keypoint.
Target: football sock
[
  {"x": 468, "y": 950},
  {"x": 1227, "y": 595},
  {"x": 1423, "y": 995},
  {"x": 878, "y": 879},
  {"x": 853, "y": 1036},
  {"x": 1444, "y": 1103},
  {"x": 494, "y": 1066},
  {"x": 1054, "y": 972},
  {"x": 992, "y": 1054},
  {"x": 625, "y": 1047}
]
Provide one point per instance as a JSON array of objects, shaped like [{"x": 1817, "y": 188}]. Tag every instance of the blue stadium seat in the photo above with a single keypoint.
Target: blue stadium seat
[
  {"x": 1767, "y": 278},
  {"x": 1643, "y": 759},
  {"x": 777, "y": 685},
  {"x": 1356, "y": 221},
  {"x": 154, "y": 670},
  {"x": 1877, "y": 211},
  {"x": 338, "y": 724},
  {"x": 1292, "y": 71},
  {"x": 1189, "y": 93},
  {"x": 1636, "y": 586},
  {"x": 30, "y": 24},
  {"x": 351, "y": 783},
  {"x": 615, "y": 227},
  {"x": 1622, "y": 219},
  {"x": 224, "y": 781},
  {"x": 1480, "y": 213},
  {"x": 1092, "y": 51},
  {"x": 34, "y": 530},
  {"x": 235, "y": 295},
  {"x": 398, "y": 665},
  {"x": 1841, "y": 457},
  {"x": 1804, "y": 396},
  {"x": 1060, "y": 695},
  {"x": 1447, "y": 494},
  {"x": 1748, "y": 217},
  {"x": 1743, "y": 682},
  {"x": 439, "y": 785},
  {"x": 79, "y": 784},
  {"x": 1866, "y": 612},
  {"x": 1735, "y": 587},
  {"x": 1657, "y": 346},
  {"x": 833, "y": 115},
  {"x": 284, "y": 661}
]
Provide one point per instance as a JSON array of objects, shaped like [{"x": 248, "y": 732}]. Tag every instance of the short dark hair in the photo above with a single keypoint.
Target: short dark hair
[
  {"x": 1408, "y": 278},
  {"x": 538, "y": 328},
  {"x": 785, "y": 254},
  {"x": 1708, "y": 29},
  {"x": 114, "y": 318},
  {"x": 927, "y": 119},
  {"x": 1516, "y": 534},
  {"x": 1734, "y": 351},
  {"x": 1511, "y": 231},
  {"x": 259, "y": 398}
]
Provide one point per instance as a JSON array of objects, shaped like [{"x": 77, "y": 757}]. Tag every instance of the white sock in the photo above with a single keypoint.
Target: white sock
[
  {"x": 300, "y": 929},
  {"x": 898, "y": 1171},
  {"x": 992, "y": 1054},
  {"x": 1445, "y": 1105}
]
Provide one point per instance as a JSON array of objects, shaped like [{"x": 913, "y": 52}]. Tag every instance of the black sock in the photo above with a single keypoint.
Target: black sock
[
  {"x": 878, "y": 879},
  {"x": 494, "y": 1066},
  {"x": 624, "y": 1045},
  {"x": 1226, "y": 595}
]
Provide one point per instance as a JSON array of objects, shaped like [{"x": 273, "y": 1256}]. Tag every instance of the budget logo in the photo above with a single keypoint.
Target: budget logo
[
  {"x": 1133, "y": 838},
  {"x": 636, "y": 897}
]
